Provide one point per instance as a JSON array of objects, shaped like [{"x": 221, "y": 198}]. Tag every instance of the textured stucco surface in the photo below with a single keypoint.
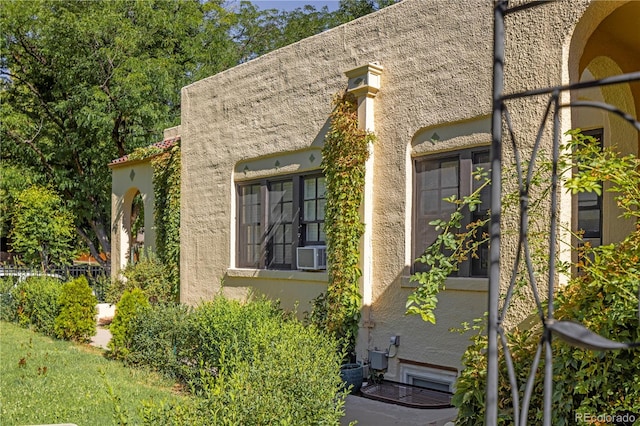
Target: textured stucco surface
[{"x": 437, "y": 71}]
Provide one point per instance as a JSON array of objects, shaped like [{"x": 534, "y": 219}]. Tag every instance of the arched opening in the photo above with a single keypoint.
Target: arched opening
[
  {"x": 136, "y": 230},
  {"x": 131, "y": 227},
  {"x": 605, "y": 43}
]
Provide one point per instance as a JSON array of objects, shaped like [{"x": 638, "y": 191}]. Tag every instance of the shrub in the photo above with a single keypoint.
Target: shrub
[
  {"x": 218, "y": 329},
  {"x": 157, "y": 332},
  {"x": 34, "y": 303},
  {"x": 605, "y": 299},
  {"x": 291, "y": 376},
  {"x": 251, "y": 364},
  {"x": 77, "y": 318},
  {"x": 132, "y": 303},
  {"x": 149, "y": 275}
]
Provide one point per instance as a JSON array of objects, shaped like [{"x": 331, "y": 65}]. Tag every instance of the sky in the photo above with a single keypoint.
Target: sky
[{"x": 292, "y": 4}]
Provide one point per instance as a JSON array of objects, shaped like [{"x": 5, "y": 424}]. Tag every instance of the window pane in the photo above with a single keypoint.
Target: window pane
[
  {"x": 312, "y": 232},
  {"x": 590, "y": 205},
  {"x": 279, "y": 234},
  {"x": 322, "y": 188},
  {"x": 280, "y": 258},
  {"x": 309, "y": 188},
  {"x": 481, "y": 161},
  {"x": 288, "y": 258},
  {"x": 321, "y": 206},
  {"x": 449, "y": 174},
  {"x": 587, "y": 199},
  {"x": 430, "y": 179},
  {"x": 287, "y": 188},
  {"x": 429, "y": 202},
  {"x": 253, "y": 213},
  {"x": 287, "y": 212},
  {"x": 275, "y": 200},
  {"x": 310, "y": 210},
  {"x": 589, "y": 222},
  {"x": 288, "y": 235}
]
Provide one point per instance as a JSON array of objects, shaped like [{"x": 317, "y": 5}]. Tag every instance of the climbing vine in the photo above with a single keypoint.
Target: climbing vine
[
  {"x": 345, "y": 152},
  {"x": 166, "y": 183}
]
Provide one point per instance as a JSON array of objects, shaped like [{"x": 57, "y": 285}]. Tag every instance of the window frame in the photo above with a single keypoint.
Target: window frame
[
  {"x": 595, "y": 239},
  {"x": 269, "y": 233},
  {"x": 467, "y": 159}
]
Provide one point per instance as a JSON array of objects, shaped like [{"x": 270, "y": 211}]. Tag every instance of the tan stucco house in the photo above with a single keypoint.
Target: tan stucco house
[{"x": 251, "y": 139}]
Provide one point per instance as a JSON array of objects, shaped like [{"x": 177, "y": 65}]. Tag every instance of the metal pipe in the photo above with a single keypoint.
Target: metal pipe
[{"x": 491, "y": 392}]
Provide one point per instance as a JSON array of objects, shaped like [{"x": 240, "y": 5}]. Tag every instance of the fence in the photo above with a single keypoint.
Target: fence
[{"x": 96, "y": 275}]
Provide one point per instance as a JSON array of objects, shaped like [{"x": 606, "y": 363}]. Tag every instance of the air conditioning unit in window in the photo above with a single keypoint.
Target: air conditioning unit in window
[{"x": 312, "y": 258}]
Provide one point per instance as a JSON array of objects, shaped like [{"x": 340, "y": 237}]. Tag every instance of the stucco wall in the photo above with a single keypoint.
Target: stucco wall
[
  {"x": 127, "y": 180},
  {"x": 437, "y": 63}
]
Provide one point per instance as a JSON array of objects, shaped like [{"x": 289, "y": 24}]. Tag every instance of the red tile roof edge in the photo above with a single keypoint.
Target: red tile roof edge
[{"x": 164, "y": 145}]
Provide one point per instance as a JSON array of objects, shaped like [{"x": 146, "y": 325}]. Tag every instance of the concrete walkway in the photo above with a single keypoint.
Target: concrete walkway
[
  {"x": 102, "y": 337},
  {"x": 375, "y": 413},
  {"x": 366, "y": 412}
]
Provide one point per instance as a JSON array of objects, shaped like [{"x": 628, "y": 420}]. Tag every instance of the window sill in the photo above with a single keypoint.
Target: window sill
[
  {"x": 279, "y": 275},
  {"x": 455, "y": 284}
]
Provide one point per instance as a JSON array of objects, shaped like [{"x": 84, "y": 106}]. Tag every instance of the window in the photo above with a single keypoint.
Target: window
[
  {"x": 313, "y": 211},
  {"x": 292, "y": 208},
  {"x": 441, "y": 176},
  {"x": 590, "y": 207}
]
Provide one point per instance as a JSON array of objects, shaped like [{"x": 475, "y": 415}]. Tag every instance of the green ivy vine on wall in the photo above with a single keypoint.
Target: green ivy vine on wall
[
  {"x": 345, "y": 152},
  {"x": 166, "y": 188},
  {"x": 166, "y": 184}
]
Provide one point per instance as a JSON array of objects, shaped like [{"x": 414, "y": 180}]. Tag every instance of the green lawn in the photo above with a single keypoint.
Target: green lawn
[{"x": 43, "y": 380}]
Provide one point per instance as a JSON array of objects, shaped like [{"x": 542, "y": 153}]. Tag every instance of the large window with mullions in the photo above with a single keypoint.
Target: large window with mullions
[
  {"x": 275, "y": 216},
  {"x": 441, "y": 176}
]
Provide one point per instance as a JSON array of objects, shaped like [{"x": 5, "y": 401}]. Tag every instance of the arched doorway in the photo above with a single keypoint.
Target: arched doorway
[
  {"x": 132, "y": 204},
  {"x": 136, "y": 230},
  {"x": 605, "y": 43}
]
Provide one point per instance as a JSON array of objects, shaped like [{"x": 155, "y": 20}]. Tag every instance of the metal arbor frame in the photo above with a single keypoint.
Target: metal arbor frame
[{"x": 571, "y": 332}]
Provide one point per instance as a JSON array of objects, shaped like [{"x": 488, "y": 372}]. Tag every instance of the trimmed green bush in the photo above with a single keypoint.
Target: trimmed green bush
[
  {"x": 77, "y": 318},
  {"x": 34, "y": 303},
  {"x": 132, "y": 303},
  {"x": 219, "y": 329},
  {"x": 149, "y": 275},
  {"x": 157, "y": 332},
  {"x": 252, "y": 364}
]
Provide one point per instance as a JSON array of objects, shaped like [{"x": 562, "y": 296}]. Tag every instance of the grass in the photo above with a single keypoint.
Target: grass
[{"x": 43, "y": 380}]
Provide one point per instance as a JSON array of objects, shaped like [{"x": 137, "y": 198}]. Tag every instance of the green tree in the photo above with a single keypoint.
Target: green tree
[
  {"x": 257, "y": 31},
  {"x": 13, "y": 180},
  {"x": 352, "y": 9},
  {"x": 43, "y": 230},
  {"x": 85, "y": 82}
]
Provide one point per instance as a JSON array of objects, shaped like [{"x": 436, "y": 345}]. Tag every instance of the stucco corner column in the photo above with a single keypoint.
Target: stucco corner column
[{"x": 364, "y": 84}]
